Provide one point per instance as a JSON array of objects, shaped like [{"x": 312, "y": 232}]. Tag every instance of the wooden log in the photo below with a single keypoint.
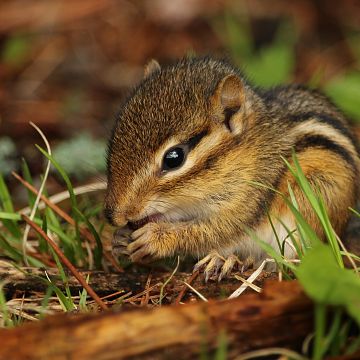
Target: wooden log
[{"x": 280, "y": 316}]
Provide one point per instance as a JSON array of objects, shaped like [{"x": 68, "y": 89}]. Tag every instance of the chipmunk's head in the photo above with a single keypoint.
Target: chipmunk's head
[{"x": 166, "y": 156}]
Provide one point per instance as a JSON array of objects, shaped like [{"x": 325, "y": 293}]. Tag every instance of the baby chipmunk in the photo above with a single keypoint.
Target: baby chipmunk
[{"x": 190, "y": 145}]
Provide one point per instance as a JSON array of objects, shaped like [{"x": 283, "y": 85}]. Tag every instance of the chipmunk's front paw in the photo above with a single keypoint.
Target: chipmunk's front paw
[
  {"x": 146, "y": 245},
  {"x": 217, "y": 267},
  {"x": 120, "y": 241}
]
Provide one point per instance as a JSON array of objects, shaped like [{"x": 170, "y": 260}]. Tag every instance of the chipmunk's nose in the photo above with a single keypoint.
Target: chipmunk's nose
[{"x": 114, "y": 217}]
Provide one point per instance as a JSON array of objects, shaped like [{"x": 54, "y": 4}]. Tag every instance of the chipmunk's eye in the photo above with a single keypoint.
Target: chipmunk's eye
[{"x": 174, "y": 158}]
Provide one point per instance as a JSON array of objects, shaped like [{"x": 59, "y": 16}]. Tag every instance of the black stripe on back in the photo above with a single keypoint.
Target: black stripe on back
[
  {"x": 322, "y": 142},
  {"x": 325, "y": 119},
  {"x": 306, "y": 142}
]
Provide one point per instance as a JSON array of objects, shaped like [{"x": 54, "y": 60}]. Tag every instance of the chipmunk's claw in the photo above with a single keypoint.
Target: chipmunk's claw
[
  {"x": 228, "y": 266},
  {"x": 212, "y": 268},
  {"x": 247, "y": 263},
  {"x": 140, "y": 248},
  {"x": 216, "y": 266},
  {"x": 210, "y": 265}
]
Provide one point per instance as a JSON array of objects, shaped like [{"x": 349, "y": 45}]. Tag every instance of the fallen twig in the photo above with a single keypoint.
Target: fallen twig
[{"x": 193, "y": 276}]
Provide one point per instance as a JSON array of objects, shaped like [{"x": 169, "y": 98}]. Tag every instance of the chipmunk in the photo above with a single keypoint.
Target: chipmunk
[{"x": 188, "y": 147}]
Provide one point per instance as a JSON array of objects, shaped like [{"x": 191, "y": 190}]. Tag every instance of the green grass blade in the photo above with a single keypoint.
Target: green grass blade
[
  {"x": 4, "y": 308},
  {"x": 276, "y": 235},
  {"x": 353, "y": 346},
  {"x": 293, "y": 240},
  {"x": 4, "y": 215},
  {"x": 302, "y": 235},
  {"x": 27, "y": 177},
  {"x": 7, "y": 205},
  {"x": 5, "y": 196},
  {"x": 270, "y": 250},
  {"x": 308, "y": 233},
  {"x": 46, "y": 299},
  {"x": 68, "y": 302},
  {"x": 98, "y": 250},
  {"x": 222, "y": 345},
  {"x": 317, "y": 205},
  {"x": 10, "y": 251},
  {"x": 73, "y": 200},
  {"x": 83, "y": 297},
  {"x": 320, "y": 323},
  {"x": 303, "y": 183},
  {"x": 77, "y": 245},
  {"x": 62, "y": 173},
  {"x": 330, "y": 234},
  {"x": 64, "y": 301},
  {"x": 330, "y": 339}
]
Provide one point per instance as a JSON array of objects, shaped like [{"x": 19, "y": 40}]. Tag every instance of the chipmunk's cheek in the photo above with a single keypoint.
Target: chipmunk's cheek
[{"x": 146, "y": 243}]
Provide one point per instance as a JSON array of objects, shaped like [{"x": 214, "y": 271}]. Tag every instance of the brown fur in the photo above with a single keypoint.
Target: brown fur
[{"x": 208, "y": 203}]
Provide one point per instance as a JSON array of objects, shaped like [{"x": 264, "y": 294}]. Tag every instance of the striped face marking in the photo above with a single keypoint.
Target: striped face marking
[{"x": 173, "y": 163}]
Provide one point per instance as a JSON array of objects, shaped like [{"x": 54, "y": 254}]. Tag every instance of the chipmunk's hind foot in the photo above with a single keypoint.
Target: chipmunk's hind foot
[{"x": 216, "y": 267}]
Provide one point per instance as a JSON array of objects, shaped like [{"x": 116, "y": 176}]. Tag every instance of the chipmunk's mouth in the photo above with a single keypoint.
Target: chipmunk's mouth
[{"x": 134, "y": 225}]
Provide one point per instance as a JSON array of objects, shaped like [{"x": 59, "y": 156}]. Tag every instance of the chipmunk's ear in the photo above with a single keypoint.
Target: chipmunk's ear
[
  {"x": 151, "y": 67},
  {"x": 227, "y": 100}
]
